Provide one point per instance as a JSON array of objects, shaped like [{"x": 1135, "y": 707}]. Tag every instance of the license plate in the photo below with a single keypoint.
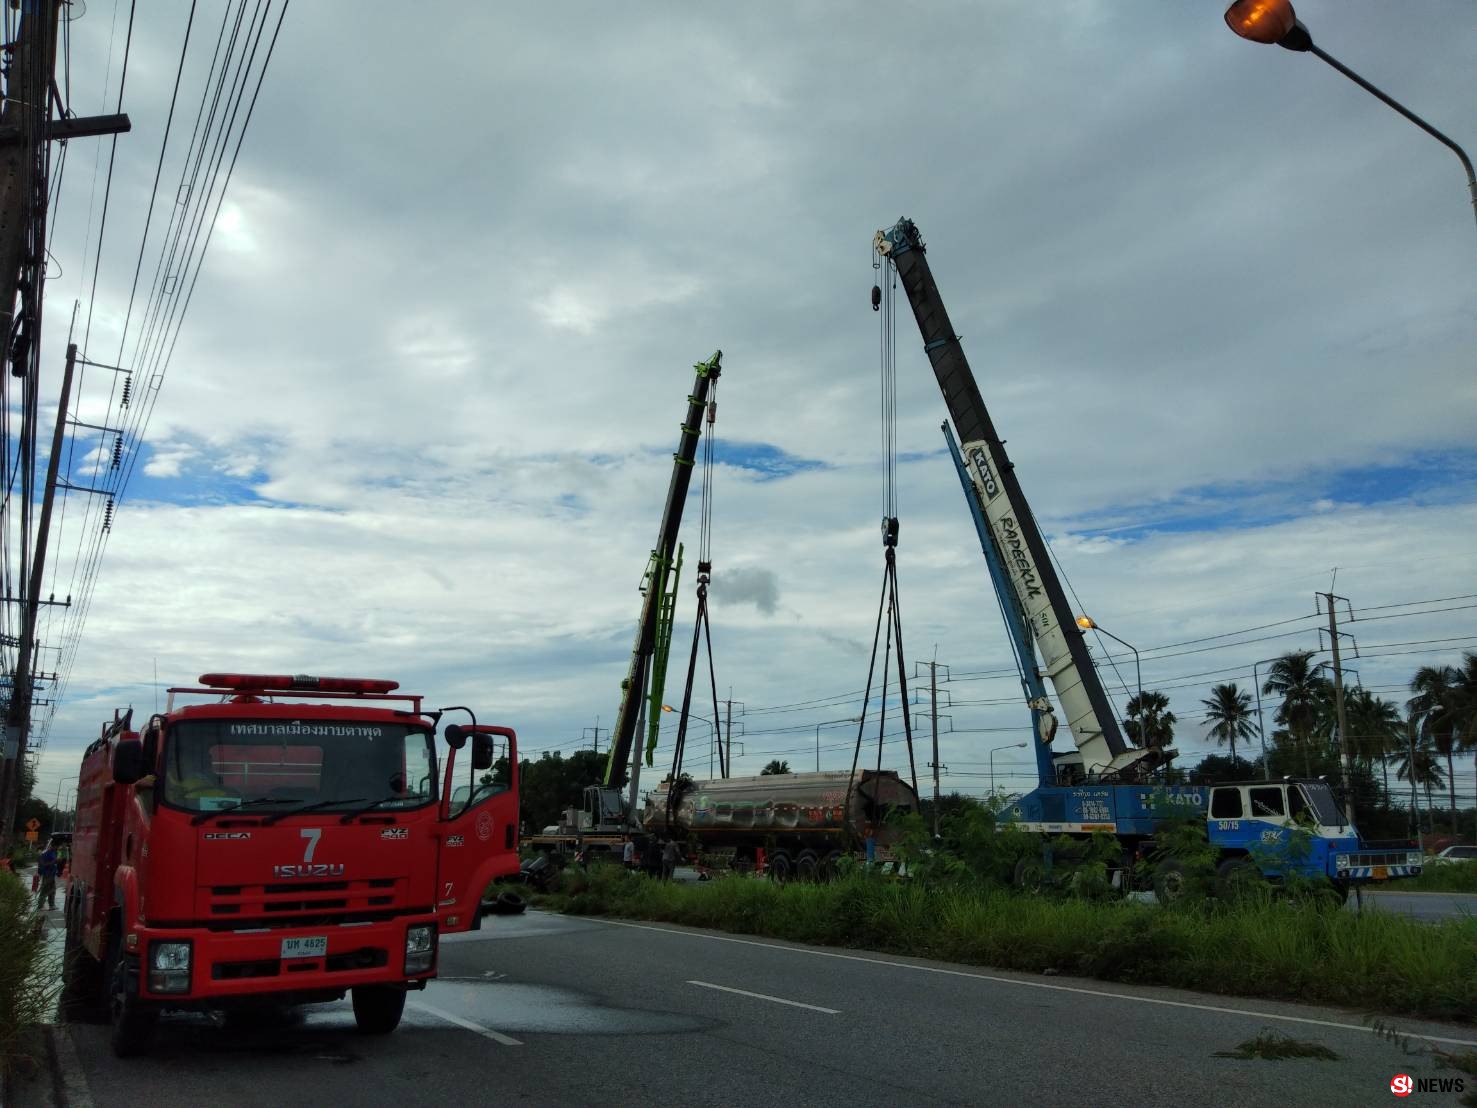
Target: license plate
[
  {"x": 313, "y": 946},
  {"x": 1381, "y": 872}
]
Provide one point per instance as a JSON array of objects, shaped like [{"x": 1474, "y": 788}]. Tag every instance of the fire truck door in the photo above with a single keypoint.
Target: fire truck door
[{"x": 479, "y": 841}]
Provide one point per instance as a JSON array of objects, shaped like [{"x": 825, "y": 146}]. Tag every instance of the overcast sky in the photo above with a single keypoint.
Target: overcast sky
[{"x": 419, "y": 420}]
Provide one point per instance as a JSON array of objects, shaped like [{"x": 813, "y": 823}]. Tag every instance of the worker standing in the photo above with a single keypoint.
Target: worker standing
[
  {"x": 46, "y": 868},
  {"x": 628, "y": 853},
  {"x": 671, "y": 854}
]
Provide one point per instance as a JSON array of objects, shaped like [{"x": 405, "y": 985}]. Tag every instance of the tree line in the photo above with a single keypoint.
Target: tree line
[{"x": 1420, "y": 740}]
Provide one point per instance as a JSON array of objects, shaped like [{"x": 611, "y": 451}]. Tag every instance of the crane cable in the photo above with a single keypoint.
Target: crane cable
[
  {"x": 702, "y": 628},
  {"x": 889, "y": 607}
]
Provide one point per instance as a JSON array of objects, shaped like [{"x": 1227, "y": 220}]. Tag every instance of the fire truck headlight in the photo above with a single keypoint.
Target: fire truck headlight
[
  {"x": 169, "y": 967},
  {"x": 420, "y": 948}
]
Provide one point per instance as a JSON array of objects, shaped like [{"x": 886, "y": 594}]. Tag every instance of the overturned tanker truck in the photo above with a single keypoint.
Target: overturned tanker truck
[{"x": 803, "y": 822}]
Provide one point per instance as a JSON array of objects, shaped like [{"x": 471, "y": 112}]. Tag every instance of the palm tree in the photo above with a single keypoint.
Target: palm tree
[
  {"x": 1294, "y": 678},
  {"x": 1228, "y": 711},
  {"x": 1436, "y": 708},
  {"x": 775, "y": 767},
  {"x": 1150, "y": 723},
  {"x": 1418, "y": 765},
  {"x": 1376, "y": 729}
]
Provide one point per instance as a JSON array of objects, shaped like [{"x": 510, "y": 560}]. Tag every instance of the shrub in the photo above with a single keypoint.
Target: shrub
[{"x": 28, "y": 979}]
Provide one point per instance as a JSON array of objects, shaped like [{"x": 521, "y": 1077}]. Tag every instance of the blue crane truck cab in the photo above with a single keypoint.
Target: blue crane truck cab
[{"x": 1284, "y": 828}]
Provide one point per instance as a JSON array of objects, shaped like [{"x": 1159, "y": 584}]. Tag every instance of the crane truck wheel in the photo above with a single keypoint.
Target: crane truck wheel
[
  {"x": 1028, "y": 875},
  {"x": 781, "y": 868},
  {"x": 1169, "y": 882},
  {"x": 377, "y": 1008},
  {"x": 1235, "y": 877},
  {"x": 132, "y": 1023},
  {"x": 808, "y": 867}
]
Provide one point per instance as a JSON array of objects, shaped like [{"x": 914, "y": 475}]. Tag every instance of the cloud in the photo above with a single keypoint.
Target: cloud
[{"x": 759, "y": 587}]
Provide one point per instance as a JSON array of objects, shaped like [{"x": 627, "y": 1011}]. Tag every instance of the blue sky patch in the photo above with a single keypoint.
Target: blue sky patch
[
  {"x": 766, "y": 461},
  {"x": 1423, "y": 478}
]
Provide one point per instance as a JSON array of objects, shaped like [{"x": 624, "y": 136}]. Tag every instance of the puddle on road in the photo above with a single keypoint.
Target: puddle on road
[{"x": 544, "y": 1009}]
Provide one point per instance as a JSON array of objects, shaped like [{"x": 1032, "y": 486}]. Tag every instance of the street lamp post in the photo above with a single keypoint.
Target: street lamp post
[
  {"x": 1260, "y": 727},
  {"x": 1087, "y": 624},
  {"x": 1274, "y": 21},
  {"x": 1007, "y": 746},
  {"x": 828, "y": 723}
]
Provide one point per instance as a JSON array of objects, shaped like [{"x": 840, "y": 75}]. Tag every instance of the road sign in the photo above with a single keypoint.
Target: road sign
[
  {"x": 33, "y": 824},
  {"x": 31, "y": 836}
]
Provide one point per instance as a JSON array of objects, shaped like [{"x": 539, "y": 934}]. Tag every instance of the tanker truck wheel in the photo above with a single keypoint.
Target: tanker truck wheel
[
  {"x": 808, "y": 867},
  {"x": 781, "y": 869},
  {"x": 829, "y": 865},
  {"x": 377, "y": 1008}
]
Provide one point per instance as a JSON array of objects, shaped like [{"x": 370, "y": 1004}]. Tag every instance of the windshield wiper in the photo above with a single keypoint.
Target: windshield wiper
[
  {"x": 203, "y": 816},
  {"x": 315, "y": 806},
  {"x": 349, "y": 817}
]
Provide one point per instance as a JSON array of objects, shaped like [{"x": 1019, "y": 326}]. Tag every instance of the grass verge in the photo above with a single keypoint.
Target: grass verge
[
  {"x": 1376, "y": 961},
  {"x": 1447, "y": 877},
  {"x": 27, "y": 982}
]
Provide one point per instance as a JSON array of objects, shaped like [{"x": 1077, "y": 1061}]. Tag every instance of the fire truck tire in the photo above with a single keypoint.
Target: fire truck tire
[
  {"x": 132, "y": 1022},
  {"x": 377, "y": 1008},
  {"x": 81, "y": 978}
]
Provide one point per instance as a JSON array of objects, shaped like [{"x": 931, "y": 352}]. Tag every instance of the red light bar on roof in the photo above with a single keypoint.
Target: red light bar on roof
[{"x": 266, "y": 682}]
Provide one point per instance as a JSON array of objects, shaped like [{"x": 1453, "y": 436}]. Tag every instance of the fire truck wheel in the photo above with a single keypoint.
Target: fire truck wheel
[
  {"x": 81, "y": 978},
  {"x": 133, "y": 1023},
  {"x": 377, "y": 1008}
]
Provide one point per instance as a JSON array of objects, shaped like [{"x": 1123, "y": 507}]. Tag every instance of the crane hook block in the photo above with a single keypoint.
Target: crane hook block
[{"x": 876, "y": 298}]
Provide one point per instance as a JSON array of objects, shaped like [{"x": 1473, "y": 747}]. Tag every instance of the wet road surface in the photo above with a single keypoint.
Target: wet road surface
[{"x": 552, "y": 1010}]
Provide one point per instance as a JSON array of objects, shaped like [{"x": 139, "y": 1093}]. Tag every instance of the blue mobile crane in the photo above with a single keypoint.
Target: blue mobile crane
[{"x": 1108, "y": 785}]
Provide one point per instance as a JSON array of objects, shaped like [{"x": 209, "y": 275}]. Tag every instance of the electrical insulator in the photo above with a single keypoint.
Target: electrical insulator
[
  {"x": 876, "y": 298},
  {"x": 117, "y": 451},
  {"x": 108, "y": 515},
  {"x": 127, "y": 388}
]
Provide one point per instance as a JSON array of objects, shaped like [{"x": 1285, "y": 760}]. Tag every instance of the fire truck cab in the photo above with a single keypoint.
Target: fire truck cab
[{"x": 288, "y": 840}]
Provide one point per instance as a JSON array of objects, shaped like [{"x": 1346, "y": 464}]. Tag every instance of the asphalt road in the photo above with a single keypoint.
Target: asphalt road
[
  {"x": 1423, "y": 906},
  {"x": 550, "y": 1010}
]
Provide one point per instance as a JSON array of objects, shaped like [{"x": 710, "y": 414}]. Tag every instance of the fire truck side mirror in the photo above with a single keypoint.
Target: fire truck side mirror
[
  {"x": 482, "y": 751},
  {"x": 128, "y": 761},
  {"x": 456, "y": 736},
  {"x": 151, "y": 749}
]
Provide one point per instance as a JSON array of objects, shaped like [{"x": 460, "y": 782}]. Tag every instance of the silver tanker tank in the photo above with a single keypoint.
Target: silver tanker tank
[{"x": 803, "y": 821}]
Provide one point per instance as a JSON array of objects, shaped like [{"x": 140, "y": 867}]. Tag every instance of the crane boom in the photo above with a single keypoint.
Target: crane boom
[
  {"x": 655, "y": 583},
  {"x": 1064, "y": 655}
]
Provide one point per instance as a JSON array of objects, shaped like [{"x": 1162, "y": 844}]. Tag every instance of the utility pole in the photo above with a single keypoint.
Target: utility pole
[
  {"x": 27, "y": 128},
  {"x": 18, "y": 717},
  {"x": 933, "y": 716},
  {"x": 1338, "y": 699},
  {"x": 595, "y": 733}
]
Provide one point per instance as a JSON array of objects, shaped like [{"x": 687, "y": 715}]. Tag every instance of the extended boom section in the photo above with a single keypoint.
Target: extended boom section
[
  {"x": 656, "y": 584},
  {"x": 1064, "y": 656}
]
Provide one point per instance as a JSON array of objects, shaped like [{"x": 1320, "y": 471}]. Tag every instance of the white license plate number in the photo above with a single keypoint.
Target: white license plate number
[{"x": 313, "y": 946}]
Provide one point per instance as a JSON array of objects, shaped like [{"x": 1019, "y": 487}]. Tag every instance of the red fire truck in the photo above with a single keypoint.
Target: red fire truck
[{"x": 280, "y": 840}]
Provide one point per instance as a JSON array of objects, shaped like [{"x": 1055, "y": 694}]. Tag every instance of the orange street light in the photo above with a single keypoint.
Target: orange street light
[{"x": 1274, "y": 21}]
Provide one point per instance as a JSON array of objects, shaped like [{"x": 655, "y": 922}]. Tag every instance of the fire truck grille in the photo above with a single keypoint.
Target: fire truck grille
[
  {"x": 367, "y": 957},
  {"x": 305, "y": 903}
]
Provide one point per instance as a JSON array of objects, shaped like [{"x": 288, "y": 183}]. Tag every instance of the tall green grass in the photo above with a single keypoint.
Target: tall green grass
[
  {"x": 27, "y": 982},
  {"x": 1446, "y": 877},
  {"x": 1258, "y": 946}
]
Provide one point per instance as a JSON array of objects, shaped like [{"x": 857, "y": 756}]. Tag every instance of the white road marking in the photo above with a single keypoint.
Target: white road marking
[
  {"x": 1044, "y": 985},
  {"x": 766, "y": 996},
  {"x": 485, "y": 1032}
]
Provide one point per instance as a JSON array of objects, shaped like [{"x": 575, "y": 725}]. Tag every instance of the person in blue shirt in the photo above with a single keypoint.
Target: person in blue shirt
[{"x": 47, "y": 870}]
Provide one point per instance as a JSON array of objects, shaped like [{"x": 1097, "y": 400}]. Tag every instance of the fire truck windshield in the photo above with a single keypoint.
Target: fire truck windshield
[{"x": 219, "y": 765}]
